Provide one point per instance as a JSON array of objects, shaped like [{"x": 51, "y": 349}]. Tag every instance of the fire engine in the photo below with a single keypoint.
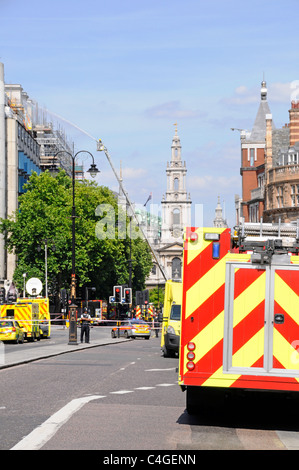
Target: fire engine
[{"x": 240, "y": 311}]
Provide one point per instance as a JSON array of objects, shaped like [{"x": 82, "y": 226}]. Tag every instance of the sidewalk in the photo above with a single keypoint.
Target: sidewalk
[{"x": 47, "y": 348}]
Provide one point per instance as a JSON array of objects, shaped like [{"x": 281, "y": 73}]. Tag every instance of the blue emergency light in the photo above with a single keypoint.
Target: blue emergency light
[{"x": 216, "y": 250}]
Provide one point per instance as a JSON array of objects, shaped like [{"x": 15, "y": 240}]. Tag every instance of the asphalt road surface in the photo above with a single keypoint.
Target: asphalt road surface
[{"x": 125, "y": 397}]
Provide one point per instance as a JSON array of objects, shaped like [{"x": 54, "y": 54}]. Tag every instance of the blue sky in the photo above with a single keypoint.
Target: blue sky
[{"x": 126, "y": 70}]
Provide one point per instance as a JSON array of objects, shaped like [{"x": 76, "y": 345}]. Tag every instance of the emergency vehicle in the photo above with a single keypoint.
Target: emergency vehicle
[
  {"x": 171, "y": 325},
  {"x": 240, "y": 311},
  {"x": 95, "y": 309},
  {"x": 43, "y": 313},
  {"x": 27, "y": 315}
]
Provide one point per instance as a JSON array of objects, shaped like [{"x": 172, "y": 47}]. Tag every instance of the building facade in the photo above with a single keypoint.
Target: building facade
[
  {"x": 27, "y": 144},
  {"x": 269, "y": 168},
  {"x": 167, "y": 238}
]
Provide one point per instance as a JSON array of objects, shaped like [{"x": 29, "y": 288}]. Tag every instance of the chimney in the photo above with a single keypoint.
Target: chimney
[
  {"x": 268, "y": 148},
  {"x": 294, "y": 123}
]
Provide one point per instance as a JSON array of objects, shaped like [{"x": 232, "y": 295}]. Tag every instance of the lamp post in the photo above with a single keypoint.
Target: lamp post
[{"x": 93, "y": 171}]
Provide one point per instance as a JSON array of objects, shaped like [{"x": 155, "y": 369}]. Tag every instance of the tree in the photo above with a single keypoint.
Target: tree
[
  {"x": 156, "y": 296},
  {"x": 45, "y": 212}
]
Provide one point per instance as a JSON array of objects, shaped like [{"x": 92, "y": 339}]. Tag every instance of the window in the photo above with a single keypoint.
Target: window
[
  {"x": 175, "y": 313},
  {"x": 292, "y": 158},
  {"x": 279, "y": 196},
  {"x": 176, "y": 268},
  {"x": 176, "y": 184},
  {"x": 251, "y": 157},
  {"x": 176, "y": 217}
]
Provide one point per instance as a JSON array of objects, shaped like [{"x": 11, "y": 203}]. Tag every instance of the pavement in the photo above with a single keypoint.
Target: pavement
[{"x": 29, "y": 352}]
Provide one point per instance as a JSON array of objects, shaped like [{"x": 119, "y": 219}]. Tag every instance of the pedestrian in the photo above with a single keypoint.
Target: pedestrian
[
  {"x": 85, "y": 320},
  {"x": 156, "y": 325}
]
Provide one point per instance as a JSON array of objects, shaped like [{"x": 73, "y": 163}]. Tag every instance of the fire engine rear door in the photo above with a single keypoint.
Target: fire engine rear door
[
  {"x": 261, "y": 329},
  {"x": 246, "y": 305},
  {"x": 284, "y": 303}
]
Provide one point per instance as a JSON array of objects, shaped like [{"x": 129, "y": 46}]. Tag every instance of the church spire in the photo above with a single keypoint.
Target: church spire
[
  {"x": 264, "y": 90},
  {"x": 176, "y": 146}
]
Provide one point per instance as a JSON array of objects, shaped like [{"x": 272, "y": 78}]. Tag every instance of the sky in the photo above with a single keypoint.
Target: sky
[{"x": 125, "y": 71}]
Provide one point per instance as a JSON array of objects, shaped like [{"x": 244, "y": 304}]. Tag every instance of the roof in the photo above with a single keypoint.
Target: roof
[{"x": 258, "y": 132}]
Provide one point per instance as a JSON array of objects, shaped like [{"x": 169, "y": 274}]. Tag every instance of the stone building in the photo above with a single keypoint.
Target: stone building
[
  {"x": 176, "y": 214},
  {"x": 269, "y": 168}
]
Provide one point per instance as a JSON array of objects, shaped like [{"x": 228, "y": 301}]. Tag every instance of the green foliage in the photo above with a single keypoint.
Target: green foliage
[
  {"x": 45, "y": 213},
  {"x": 156, "y": 296}
]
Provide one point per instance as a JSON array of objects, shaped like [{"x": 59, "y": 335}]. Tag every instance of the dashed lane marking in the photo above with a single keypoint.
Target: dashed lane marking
[
  {"x": 144, "y": 388},
  {"x": 40, "y": 435},
  {"x": 43, "y": 433}
]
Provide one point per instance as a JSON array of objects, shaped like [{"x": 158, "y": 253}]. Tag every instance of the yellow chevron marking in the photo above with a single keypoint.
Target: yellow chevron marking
[
  {"x": 287, "y": 298},
  {"x": 205, "y": 287},
  {"x": 284, "y": 352},
  {"x": 248, "y": 354},
  {"x": 218, "y": 379},
  {"x": 195, "y": 248},
  {"x": 206, "y": 339},
  {"x": 249, "y": 299}
]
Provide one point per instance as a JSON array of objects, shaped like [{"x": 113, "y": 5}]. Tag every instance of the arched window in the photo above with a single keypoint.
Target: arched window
[
  {"x": 176, "y": 269},
  {"x": 176, "y": 217},
  {"x": 176, "y": 184}
]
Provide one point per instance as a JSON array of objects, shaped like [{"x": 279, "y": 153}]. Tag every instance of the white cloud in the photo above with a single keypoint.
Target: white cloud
[
  {"x": 172, "y": 110},
  {"x": 133, "y": 173},
  {"x": 210, "y": 183}
]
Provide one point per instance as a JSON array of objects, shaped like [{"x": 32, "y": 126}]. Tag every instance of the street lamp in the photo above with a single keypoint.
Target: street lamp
[
  {"x": 72, "y": 308},
  {"x": 45, "y": 240}
]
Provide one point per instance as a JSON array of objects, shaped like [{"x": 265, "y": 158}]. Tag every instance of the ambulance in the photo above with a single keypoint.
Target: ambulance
[
  {"x": 240, "y": 311},
  {"x": 43, "y": 313},
  {"x": 27, "y": 316},
  {"x": 171, "y": 324}
]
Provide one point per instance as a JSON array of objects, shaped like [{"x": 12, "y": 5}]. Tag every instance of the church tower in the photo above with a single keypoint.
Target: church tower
[{"x": 176, "y": 203}]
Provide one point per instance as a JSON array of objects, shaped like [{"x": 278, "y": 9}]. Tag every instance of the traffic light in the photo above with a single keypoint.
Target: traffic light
[
  {"x": 128, "y": 295},
  {"x": 117, "y": 293},
  {"x": 145, "y": 296},
  {"x": 2, "y": 295}
]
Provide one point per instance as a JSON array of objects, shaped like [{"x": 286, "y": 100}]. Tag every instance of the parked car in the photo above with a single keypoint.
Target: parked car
[
  {"x": 131, "y": 329},
  {"x": 10, "y": 330}
]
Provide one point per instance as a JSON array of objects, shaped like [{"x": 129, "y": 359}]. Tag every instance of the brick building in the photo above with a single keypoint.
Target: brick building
[{"x": 270, "y": 168}]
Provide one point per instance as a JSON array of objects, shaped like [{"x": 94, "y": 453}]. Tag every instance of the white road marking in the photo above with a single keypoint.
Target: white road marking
[
  {"x": 40, "y": 435},
  {"x": 165, "y": 385},
  {"x": 159, "y": 370},
  {"x": 144, "y": 388}
]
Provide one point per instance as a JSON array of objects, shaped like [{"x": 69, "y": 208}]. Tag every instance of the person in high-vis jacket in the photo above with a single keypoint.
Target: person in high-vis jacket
[{"x": 85, "y": 320}]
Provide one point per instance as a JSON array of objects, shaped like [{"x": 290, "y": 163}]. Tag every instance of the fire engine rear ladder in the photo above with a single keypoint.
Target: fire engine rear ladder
[{"x": 268, "y": 239}]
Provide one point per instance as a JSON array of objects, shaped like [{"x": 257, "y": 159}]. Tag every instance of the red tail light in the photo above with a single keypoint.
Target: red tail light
[{"x": 191, "y": 356}]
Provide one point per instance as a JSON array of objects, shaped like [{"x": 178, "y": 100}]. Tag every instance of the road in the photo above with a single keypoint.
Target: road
[{"x": 125, "y": 397}]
